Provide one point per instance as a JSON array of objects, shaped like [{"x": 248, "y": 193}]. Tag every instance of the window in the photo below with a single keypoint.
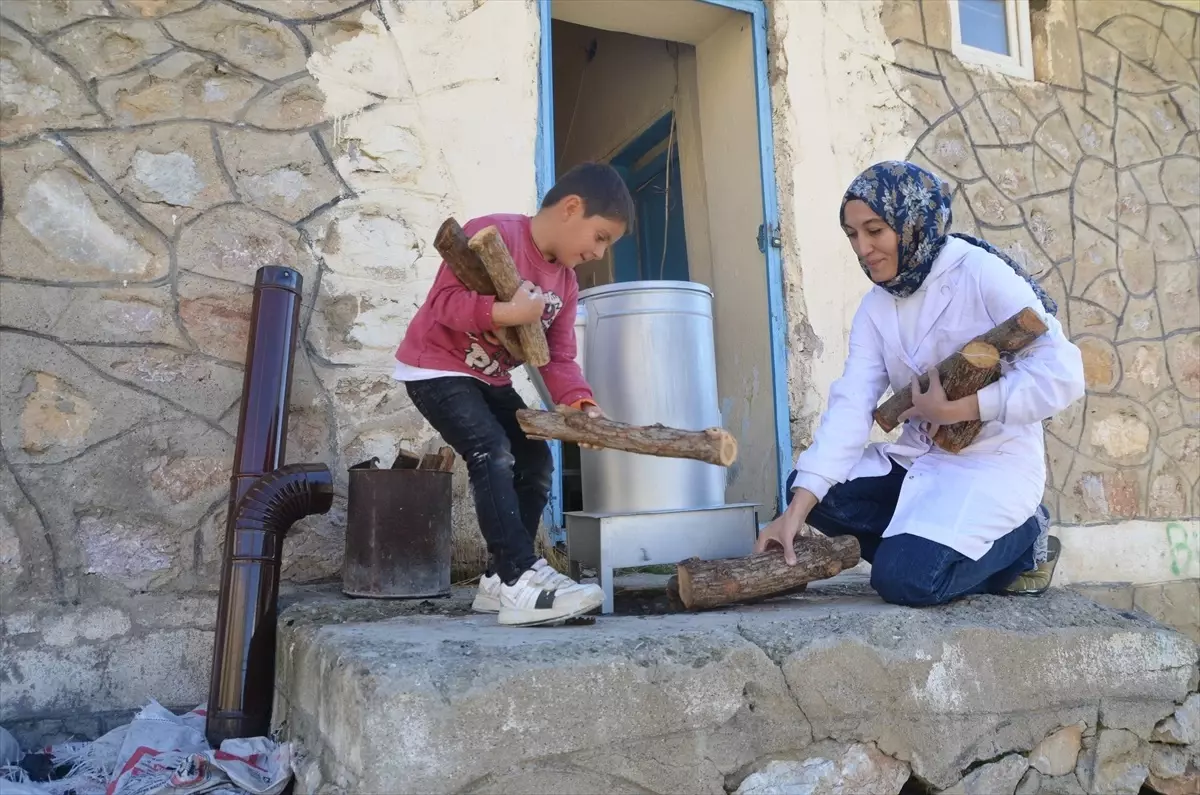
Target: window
[{"x": 993, "y": 33}]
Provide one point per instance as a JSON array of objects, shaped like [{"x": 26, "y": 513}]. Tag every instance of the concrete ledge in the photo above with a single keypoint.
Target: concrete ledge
[{"x": 695, "y": 703}]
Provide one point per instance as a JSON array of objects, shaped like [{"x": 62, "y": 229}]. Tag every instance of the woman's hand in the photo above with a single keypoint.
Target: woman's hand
[
  {"x": 787, "y": 526},
  {"x": 932, "y": 406}
]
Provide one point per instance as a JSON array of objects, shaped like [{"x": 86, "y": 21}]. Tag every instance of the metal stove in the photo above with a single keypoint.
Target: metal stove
[{"x": 647, "y": 349}]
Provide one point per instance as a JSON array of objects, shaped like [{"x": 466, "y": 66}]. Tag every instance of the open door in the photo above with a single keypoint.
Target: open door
[{"x": 675, "y": 96}]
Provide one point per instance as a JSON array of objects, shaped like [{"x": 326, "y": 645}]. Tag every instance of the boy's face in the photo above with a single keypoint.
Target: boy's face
[{"x": 581, "y": 239}]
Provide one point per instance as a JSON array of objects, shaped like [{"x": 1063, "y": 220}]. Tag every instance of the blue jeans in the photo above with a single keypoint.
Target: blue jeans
[
  {"x": 510, "y": 473},
  {"x": 907, "y": 569}
]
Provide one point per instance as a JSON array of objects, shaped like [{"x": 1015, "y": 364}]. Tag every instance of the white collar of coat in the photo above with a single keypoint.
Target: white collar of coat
[{"x": 935, "y": 295}]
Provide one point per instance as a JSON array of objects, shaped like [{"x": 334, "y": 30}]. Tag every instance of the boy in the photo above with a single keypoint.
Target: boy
[{"x": 456, "y": 373}]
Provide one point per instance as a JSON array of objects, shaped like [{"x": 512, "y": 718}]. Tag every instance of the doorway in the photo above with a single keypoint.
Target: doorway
[{"x": 674, "y": 96}]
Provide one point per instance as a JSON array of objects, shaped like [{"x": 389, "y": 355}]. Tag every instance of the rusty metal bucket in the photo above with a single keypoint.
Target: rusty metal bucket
[{"x": 397, "y": 533}]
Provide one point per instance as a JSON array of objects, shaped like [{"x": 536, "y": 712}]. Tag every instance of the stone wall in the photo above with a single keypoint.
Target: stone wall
[
  {"x": 1090, "y": 177},
  {"x": 154, "y": 154}
]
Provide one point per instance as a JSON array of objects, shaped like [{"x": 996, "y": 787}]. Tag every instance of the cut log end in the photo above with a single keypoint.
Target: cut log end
[
  {"x": 726, "y": 446},
  {"x": 1030, "y": 322},
  {"x": 981, "y": 355}
]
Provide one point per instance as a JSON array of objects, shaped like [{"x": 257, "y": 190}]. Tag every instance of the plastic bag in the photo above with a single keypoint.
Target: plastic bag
[{"x": 161, "y": 753}]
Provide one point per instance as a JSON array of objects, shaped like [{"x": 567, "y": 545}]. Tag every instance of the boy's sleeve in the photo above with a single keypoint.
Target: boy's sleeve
[
  {"x": 454, "y": 306},
  {"x": 562, "y": 375}
]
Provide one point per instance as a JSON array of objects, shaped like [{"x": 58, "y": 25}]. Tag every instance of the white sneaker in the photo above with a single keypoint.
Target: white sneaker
[
  {"x": 543, "y": 596},
  {"x": 487, "y": 599}
]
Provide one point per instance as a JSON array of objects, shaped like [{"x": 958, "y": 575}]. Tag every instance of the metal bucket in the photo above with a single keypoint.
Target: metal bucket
[
  {"x": 647, "y": 350},
  {"x": 397, "y": 534}
]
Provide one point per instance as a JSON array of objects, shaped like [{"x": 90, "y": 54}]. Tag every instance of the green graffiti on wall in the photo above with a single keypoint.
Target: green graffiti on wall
[{"x": 1184, "y": 546}]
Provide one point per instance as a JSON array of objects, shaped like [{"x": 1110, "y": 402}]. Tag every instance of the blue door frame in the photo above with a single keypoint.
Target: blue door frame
[{"x": 766, "y": 147}]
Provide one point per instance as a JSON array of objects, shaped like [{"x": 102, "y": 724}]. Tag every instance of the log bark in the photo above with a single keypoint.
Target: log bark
[
  {"x": 955, "y": 438},
  {"x": 451, "y": 242},
  {"x": 706, "y": 584},
  {"x": 712, "y": 446},
  {"x": 966, "y": 372},
  {"x": 676, "y": 604},
  {"x": 496, "y": 259}
]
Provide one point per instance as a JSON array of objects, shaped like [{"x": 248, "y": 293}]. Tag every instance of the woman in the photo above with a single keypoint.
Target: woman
[{"x": 934, "y": 525}]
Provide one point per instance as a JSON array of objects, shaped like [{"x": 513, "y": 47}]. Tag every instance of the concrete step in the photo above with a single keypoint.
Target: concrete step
[{"x": 387, "y": 697}]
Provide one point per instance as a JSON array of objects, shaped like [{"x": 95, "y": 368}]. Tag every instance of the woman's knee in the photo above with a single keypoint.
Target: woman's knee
[{"x": 903, "y": 579}]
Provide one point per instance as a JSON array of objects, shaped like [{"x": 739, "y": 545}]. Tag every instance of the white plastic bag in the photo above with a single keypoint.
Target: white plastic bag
[
  {"x": 161, "y": 753},
  {"x": 10, "y": 750},
  {"x": 166, "y": 754},
  {"x": 256, "y": 766}
]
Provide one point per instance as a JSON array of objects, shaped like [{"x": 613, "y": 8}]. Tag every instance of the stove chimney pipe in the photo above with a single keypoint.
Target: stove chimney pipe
[{"x": 265, "y": 499}]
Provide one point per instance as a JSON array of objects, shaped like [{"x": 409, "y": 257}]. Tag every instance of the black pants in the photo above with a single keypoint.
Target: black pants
[
  {"x": 907, "y": 569},
  {"x": 509, "y": 472}
]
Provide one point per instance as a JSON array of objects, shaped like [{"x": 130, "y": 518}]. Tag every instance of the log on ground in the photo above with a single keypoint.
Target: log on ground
[
  {"x": 499, "y": 264},
  {"x": 705, "y": 584},
  {"x": 451, "y": 242},
  {"x": 712, "y": 446}
]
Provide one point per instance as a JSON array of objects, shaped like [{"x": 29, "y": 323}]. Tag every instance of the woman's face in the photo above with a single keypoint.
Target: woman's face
[{"x": 876, "y": 244}]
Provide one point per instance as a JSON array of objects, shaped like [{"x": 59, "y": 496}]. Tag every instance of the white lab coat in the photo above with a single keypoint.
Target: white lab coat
[{"x": 966, "y": 500}]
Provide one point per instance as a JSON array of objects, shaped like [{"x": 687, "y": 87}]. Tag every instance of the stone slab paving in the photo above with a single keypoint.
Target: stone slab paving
[{"x": 830, "y": 690}]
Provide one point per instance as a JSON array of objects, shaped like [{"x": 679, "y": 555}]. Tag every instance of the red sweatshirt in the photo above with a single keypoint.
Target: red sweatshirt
[{"x": 449, "y": 330}]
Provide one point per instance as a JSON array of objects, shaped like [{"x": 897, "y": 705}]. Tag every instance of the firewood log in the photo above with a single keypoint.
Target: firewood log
[
  {"x": 966, "y": 372},
  {"x": 499, "y": 264},
  {"x": 451, "y": 242},
  {"x": 705, "y": 584},
  {"x": 713, "y": 446}
]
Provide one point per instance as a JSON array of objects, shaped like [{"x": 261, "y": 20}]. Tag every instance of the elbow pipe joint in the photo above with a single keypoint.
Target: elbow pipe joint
[
  {"x": 242, "y": 687},
  {"x": 279, "y": 499}
]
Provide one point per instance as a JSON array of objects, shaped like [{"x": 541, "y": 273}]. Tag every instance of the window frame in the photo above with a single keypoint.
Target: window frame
[{"x": 1019, "y": 63}]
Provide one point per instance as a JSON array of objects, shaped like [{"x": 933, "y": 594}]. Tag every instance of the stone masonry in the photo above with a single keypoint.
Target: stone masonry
[
  {"x": 1090, "y": 177},
  {"x": 838, "y": 695},
  {"x": 154, "y": 154}
]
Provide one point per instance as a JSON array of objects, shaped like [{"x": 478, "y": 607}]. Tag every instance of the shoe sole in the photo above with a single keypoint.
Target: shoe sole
[
  {"x": 486, "y": 606},
  {"x": 551, "y": 621},
  {"x": 1055, "y": 551}
]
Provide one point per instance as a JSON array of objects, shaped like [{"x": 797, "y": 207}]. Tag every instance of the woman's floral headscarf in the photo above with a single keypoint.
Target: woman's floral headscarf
[{"x": 916, "y": 205}]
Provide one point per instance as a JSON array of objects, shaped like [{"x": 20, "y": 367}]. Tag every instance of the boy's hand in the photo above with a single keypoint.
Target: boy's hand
[
  {"x": 592, "y": 410},
  {"x": 526, "y": 307},
  {"x": 595, "y": 412}
]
